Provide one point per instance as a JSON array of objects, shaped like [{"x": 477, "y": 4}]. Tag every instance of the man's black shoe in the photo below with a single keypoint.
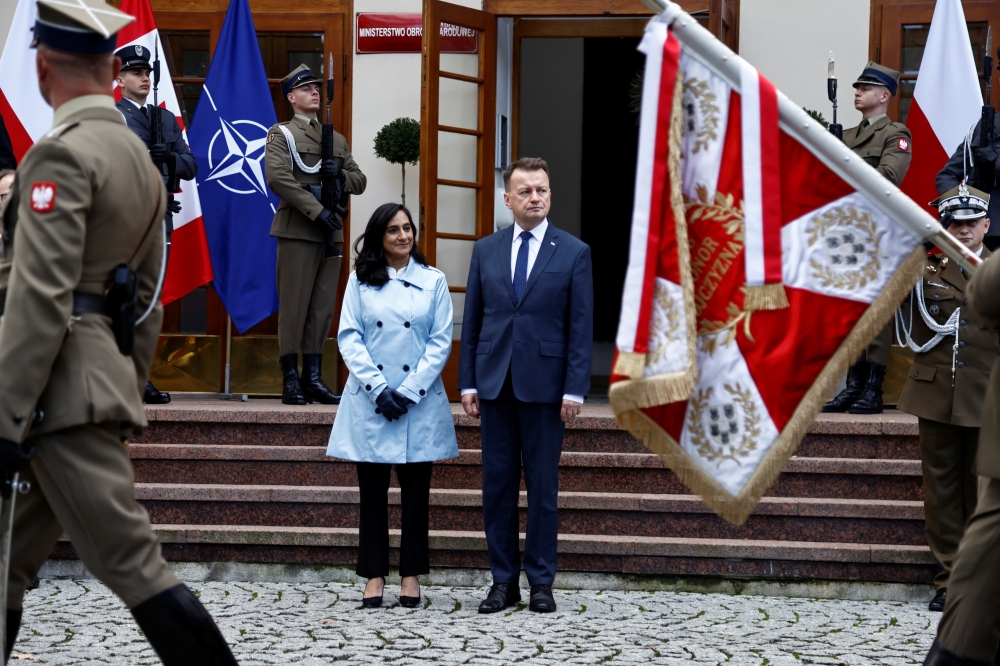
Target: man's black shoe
[
  {"x": 181, "y": 631},
  {"x": 542, "y": 600},
  {"x": 942, "y": 656},
  {"x": 857, "y": 375},
  {"x": 870, "y": 401},
  {"x": 937, "y": 603},
  {"x": 291, "y": 388},
  {"x": 313, "y": 387},
  {"x": 151, "y": 396},
  {"x": 500, "y": 596},
  {"x": 13, "y": 626}
]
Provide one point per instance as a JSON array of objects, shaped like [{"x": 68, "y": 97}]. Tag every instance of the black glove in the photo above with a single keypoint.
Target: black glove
[
  {"x": 387, "y": 404},
  {"x": 401, "y": 399},
  {"x": 173, "y": 205},
  {"x": 330, "y": 168},
  {"x": 329, "y": 220},
  {"x": 15, "y": 457},
  {"x": 161, "y": 154}
]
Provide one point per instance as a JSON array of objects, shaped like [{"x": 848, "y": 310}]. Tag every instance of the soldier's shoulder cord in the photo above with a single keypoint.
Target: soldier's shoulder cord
[{"x": 293, "y": 153}]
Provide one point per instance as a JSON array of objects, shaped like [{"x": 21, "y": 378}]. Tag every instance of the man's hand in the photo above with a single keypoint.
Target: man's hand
[
  {"x": 329, "y": 168},
  {"x": 173, "y": 205},
  {"x": 329, "y": 220},
  {"x": 160, "y": 153},
  {"x": 470, "y": 401},
  {"x": 570, "y": 410}
]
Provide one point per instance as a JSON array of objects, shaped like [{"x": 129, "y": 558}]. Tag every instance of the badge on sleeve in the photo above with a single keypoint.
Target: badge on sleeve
[
  {"x": 43, "y": 197},
  {"x": 270, "y": 137},
  {"x": 904, "y": 145}
]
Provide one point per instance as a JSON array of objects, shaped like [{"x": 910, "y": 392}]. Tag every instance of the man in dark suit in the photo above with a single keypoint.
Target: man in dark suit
[
  {"x": 7, "y": 160},
  {"x": 172, "y": 154},
  {"x": 527, "y": 338}
]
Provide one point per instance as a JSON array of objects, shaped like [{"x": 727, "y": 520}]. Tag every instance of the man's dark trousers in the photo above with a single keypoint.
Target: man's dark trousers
[{"x": 513, "y": 431}]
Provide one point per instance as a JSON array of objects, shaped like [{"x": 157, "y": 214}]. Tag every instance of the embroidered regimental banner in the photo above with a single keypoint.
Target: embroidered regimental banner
[{"x": 764, "y": 256}]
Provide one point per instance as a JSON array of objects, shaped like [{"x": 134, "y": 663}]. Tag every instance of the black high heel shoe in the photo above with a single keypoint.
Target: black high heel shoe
[
  {"x": 410, "y": 602},
  {"x": 373, "y": 602}
]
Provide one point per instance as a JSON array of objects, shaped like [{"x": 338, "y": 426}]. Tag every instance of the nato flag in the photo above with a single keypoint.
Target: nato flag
[{"x": 228, "y": 136}]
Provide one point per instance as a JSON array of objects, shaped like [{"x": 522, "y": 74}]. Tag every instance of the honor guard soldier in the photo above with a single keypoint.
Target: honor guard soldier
[
  {"x": 886, "y": 146},
  {"x": 955, "y": 352},
  {"x": 310, "y": 236},
  {"x": 171, "y": 153},
  {"x": 969, "y": 631},
  {"x": 83, "y": 232}
]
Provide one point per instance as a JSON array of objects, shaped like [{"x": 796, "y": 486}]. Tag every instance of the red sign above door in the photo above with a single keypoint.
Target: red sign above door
[{"x": 401, "y": 33}]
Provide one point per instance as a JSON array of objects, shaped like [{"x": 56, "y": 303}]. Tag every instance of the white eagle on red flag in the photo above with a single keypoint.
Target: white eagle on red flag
[{"x": 764, "y": 256}]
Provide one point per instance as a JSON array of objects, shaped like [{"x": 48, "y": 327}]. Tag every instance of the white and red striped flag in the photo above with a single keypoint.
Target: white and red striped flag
[
  {"x": 947, "y": 100},
  {"x": 28, "y": 118},
  {"x": 795, "y": 254}
]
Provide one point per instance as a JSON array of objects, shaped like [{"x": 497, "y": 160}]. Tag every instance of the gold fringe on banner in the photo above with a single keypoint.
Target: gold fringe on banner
[
  {"x": 765, "y": 297},
  {"x": 737, "y": 509},
  {"x": 642, "y": 392}
]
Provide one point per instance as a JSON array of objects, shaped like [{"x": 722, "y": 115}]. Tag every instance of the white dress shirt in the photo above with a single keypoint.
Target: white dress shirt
[{"x": 534, "y": 244}]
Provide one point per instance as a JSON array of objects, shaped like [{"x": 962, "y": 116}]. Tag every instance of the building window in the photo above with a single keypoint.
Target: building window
[
  {"x": 284, "y": 51},
  {"x": 186, "y": 55}
]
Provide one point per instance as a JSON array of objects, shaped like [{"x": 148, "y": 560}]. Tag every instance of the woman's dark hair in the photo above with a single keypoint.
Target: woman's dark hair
[{"x": 369, "y": 255}]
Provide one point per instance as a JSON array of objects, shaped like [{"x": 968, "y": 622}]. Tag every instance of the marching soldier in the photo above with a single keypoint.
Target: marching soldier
[
  {"x": 946, "y": 384},
  {"x": 969, "y": 631},
  {"x": 82, "y": 231},
  {"x": 173, "y": 152},
  {"x": 310, "y": 240},
  {"x": 886, "y": 146}
]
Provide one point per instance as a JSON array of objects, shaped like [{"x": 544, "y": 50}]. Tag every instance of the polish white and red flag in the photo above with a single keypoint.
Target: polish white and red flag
[
  {"x": 947, "y": 100},
  {"x": 28, "y": 118},
  {"x": 764, "y": 256}
]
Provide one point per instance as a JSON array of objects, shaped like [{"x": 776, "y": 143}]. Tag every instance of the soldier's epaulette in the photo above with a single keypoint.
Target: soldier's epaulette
[{"x": 56, "y": 132}]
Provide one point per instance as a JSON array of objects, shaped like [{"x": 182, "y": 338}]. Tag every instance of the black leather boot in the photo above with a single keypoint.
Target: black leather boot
[
  {"x": 312, "y": 381},
  {"x": 13, "y": 626},
  {"x": 181, "y": 631},
  {"x": 857, "y": 374},
  {"x": 151, "y": 396},
  {"x": 291, "y": 389},
  {"x": 870, "y": 401},
  {"x": 939, "y": 655}
]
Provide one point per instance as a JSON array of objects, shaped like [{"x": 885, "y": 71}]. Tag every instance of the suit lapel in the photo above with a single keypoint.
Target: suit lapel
[
  {"x": 504, "y": 242},
  {"x": 545, "y": 253},
  {"x": 134, "y": 112},
  {"x": 951, "y": 274}
]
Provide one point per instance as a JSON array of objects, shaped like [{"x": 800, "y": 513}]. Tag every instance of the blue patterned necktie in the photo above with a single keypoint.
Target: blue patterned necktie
[{"x": 521, "y": 267}]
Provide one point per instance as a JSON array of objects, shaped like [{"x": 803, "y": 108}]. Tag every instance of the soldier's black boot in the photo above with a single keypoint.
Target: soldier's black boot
[
  {"x": 313, "y": 387},
  {"x": 13, "y": 626},
  {"x": 939, "y": 655},
  {"x": 857, "y": 375},
  {"x": 291, "y": 389},
  {"x": 870, "y": 401},
  {"x": 181, "y": 631},
  {"x": 152, "y": 396}
]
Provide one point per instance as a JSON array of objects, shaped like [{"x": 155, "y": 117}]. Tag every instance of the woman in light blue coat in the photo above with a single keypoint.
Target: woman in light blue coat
[{"x": 395, "y": 337}]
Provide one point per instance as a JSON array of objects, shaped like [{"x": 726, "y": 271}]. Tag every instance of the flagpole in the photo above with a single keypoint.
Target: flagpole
[
  {"x": 229, "y": 347},
  {"x": 705, "y": 47}
]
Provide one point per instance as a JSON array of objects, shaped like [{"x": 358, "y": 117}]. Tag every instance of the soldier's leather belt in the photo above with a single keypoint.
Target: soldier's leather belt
[{"x": 82, "y": 303}]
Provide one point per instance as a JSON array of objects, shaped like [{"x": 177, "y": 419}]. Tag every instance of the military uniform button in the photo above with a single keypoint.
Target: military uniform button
[
  {"x": 406, "y": 324},
  {"x": 965, "y": 301},
  {"x": 379, "y": 324},
  {"x": 368, "y": 387},
  {"x": 18, "y": 420},
  {"x": 961, "y": 344},
  {"x": 406, "y": 368},
  {"x": 961, "y": 365},
  {"x": 935, "y": 297},
  {"x": 379, "y": 366},
  {"x": 423, "y": 392},
  {"x": 962, "y": 322}
]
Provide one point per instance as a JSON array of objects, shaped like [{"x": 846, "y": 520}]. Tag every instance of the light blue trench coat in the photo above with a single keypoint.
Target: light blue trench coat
[{"x": 397, "y": 335}]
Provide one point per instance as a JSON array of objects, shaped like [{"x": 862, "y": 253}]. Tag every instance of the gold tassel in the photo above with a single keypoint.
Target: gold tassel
[
  {"x": 765, "y": 297},
  {"x": 630, "y": 364}
]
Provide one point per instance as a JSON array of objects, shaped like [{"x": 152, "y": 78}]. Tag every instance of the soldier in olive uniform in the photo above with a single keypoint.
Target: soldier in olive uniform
[
  {"x": 946, "y": 385},
  {"x": 310, "y": 237},
  {"x": 969, "y": 631},
  {"x": 886, "y": 146},
  {"x": 87, "y": 199}
]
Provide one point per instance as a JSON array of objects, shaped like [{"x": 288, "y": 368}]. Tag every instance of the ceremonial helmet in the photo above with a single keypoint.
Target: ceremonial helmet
[
  {"x": 84, "y": 27},
  {"x": 963, "y": 202},
  {"x": 876, "y": 74}
]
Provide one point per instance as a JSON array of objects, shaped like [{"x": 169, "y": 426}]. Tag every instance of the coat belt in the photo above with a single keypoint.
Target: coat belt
[{"x": 82, "y": 303}]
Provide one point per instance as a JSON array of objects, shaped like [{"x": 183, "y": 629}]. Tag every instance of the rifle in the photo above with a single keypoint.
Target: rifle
[
  {"x": 984, "y": 154},
  {"x": 835, "y": 128},
  {"x": 334, "y": 198},
  {"x": 167, "y": 171}
]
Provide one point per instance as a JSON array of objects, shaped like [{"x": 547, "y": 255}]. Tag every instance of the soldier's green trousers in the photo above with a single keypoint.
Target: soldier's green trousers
[
  {"x": 878, "y": 349},
  {"x": 82, "y": 483},
  {"x": 948, "y": 458},
  {"x": 307, "y": 295},
  {"x": 971, "y": 622}
]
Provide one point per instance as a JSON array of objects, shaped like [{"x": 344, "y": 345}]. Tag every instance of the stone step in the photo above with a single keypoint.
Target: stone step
[
  {"x": 892, "y": 435},
  {"x": 663, "y": 556},
  {"x": 580, "y": 472},
  {"x": 618, "y": 514}
]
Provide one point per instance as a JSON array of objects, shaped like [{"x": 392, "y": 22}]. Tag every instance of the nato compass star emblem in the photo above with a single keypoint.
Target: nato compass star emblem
[{"x": 241, "y": 165}]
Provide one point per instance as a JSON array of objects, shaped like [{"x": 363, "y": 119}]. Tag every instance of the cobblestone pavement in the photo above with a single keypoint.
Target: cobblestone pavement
[{"x": 72, "y": 622}]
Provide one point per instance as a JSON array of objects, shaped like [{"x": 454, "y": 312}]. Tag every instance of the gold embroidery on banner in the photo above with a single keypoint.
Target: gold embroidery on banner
[
  {"x": 726, "y": 438},
  {"x": 703, "y": 123},
  {"x": 851, "y": 240},
  {"x": 666, "y": 322}
]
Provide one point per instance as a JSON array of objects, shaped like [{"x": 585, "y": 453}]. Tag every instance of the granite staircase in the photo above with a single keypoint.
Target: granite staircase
[{"x": 250, "y": 482}]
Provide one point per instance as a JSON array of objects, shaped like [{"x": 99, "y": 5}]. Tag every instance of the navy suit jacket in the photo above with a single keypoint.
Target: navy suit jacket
[
  {"x": 547, "y": 338},
  {"x": 187, "y": 167}
]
